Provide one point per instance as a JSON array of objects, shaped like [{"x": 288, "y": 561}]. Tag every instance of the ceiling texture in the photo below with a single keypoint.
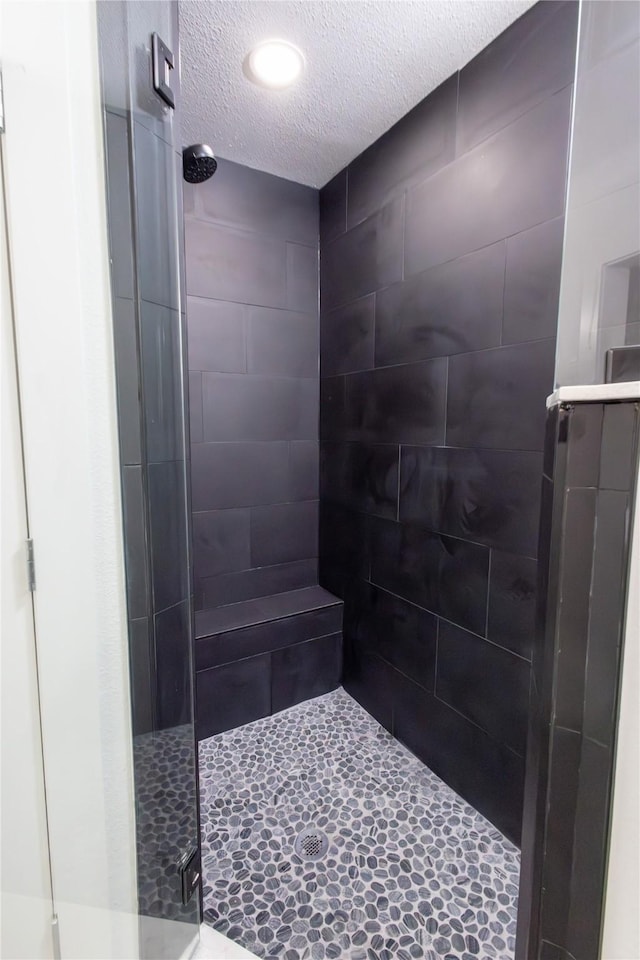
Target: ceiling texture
[{"x": 368, "y": 62}]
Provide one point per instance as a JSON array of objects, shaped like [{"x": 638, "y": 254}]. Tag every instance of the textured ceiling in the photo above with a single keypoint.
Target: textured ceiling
[{"x": 368, "y": 63}]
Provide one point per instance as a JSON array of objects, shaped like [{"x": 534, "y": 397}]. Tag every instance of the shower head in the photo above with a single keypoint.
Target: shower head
[{"x": 198, "y": 163}]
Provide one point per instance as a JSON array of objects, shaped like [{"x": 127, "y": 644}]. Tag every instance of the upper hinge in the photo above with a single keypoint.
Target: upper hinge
[
  {"x": 1, "y": 104},
  {"x": 31, "y": 566}
]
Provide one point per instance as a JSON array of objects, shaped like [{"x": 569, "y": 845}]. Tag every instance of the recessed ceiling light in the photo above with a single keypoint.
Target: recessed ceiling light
[{"x": 274, "y": 63}]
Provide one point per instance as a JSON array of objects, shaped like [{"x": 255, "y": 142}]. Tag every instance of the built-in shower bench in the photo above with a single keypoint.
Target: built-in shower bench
[{"x": 260, "y": 656}]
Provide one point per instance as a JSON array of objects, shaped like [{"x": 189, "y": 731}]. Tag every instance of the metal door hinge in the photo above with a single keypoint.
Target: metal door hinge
[
  {"x": 189, "y": 870},
  {"x": 31, "y": 566},
  {"x": 55, "y": 935},
  {"x": 1, "y": 104}
]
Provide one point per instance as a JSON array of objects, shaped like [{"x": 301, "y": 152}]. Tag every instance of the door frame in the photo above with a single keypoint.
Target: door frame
[{"x": 57, "y": 227}]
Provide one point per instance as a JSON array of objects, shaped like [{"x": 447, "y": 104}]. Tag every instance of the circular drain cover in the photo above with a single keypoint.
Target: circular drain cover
[{"x": 311, "y": 844}]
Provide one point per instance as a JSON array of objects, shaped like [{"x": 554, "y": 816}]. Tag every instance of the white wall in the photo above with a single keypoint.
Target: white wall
[
  {"x": 26, "y": 904},
  {"x": 58, "y": 240}
]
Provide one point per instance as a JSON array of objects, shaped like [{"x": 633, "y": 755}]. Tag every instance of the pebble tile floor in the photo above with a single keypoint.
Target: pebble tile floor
[
  {"x": 412, "y": 871},
  {"x": 166, "y": 819}
]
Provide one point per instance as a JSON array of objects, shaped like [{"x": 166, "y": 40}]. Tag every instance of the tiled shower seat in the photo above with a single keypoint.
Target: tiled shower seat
[{"x": 261, "y": 656}]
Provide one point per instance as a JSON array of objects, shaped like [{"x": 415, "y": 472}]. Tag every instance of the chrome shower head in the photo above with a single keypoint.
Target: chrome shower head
[{"x": 198, "y": 163}]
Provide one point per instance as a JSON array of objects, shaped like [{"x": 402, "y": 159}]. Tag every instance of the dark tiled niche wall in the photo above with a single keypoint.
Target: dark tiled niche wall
[
  {"x": 440, "y": 267},
  {"x": 590, "y": 474},
  {"x": 252, "y": 315}
]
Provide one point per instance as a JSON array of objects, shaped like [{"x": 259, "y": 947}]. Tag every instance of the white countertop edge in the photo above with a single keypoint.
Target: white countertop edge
[{"x": 594, "y": 392}]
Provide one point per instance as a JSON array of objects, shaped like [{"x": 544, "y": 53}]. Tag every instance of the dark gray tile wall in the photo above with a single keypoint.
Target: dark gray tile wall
[
  {"x": 252, "y": 315},
  {"x": 143, "y": 153},
  {"x": 440, "y": 268},
  {"x": 589, "y": 481}
]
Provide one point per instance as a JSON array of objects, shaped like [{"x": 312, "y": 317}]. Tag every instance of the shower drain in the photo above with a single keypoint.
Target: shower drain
[{"x": 311, "y": 844}]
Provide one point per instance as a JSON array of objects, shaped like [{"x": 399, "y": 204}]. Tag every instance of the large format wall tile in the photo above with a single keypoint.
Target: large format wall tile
[
  {"x": 415, "y": 147},
  {"x": 162, "y": 374},
  {"x": 141, "y": 676},
  {"x": 500, "y": 703},
  {"x": 284, "y": 532},
  {"x": 449, "y": 230},
  {"x": 488, "y": 774},
  {"x": 447, "y": 576},
  {"x": 242, "y": 197},
  {"x": 512, "y": 602},
  {"x": 366, "y": 258},
  {"x": 573, "y": 617},
  {"x": 391, "y": 628},
  {"x": 403, "y": 404},
  {"x": 523, "y": 66},
  {"x": 513, "y": 181},
  {"x": 239, "y": 407},
  {"x": 360, "y": 476},
  {"x": 333, "y": 208},
  {"x": 252, "y": 272},
  {"x": 282, "y": 343},
  {"x": 496, "y": 398},
  {"x": 173, "y": 661},
  {"x": 343, "y": 547},
  {"x": 216, "y": 336},
  {"x": 239, "y": 474},
  {"x": 228, "y": 264},
  {"x": 347, "y": 337},
  {"x": 532, "y": 283},
  {"x": 138, "y": 595},
  {"x": 607, "y": 611},
  {"x": 154, "y": 176},
  {"x": 195, "y": 407},
  {"x": 305, "y": 670},
  {"x": 452, "y": 308},
  {"x": 221, "y": 541},
  {"x": 127, "y": 380},
  {"x": 258, "y": 582},
  {"x": 333, "y": 422},
  {"x": 304, "y": 460},
  {"x": 169, "y": 534},
  {"x": 486, "y": 496},
  {"x": 117, "y": 144},
  {"x": 302, "y": 278},
  {"x": 233, "y": 694}
]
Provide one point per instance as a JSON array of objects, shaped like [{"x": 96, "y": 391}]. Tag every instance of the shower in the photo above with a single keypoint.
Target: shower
[{"x": 198, "y": 163}]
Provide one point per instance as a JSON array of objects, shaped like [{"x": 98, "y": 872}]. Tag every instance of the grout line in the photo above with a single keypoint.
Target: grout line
[
  {"x": 452, "y": 623},
  {"x": 486, "y": 621},
  {"x": 446, "y": 401},
  {"x": 346, "y": 202},
  {"x": 504, "y": 290}
]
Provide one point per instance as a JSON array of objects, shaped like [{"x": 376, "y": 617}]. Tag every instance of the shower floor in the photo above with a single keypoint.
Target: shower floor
[{"x": 412, "y": 871}]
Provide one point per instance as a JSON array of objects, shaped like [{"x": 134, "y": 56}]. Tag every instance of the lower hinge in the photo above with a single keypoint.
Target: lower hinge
[{"x": 189, "y": 869}]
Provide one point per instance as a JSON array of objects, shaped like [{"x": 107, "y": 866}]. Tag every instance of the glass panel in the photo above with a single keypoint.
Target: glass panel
[{"x": 146, "y": 237}]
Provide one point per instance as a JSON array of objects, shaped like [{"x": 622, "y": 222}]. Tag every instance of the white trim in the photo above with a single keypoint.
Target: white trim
[
  {"x": 594, "y": 393},
  {"x": 58, "y": 238}
]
